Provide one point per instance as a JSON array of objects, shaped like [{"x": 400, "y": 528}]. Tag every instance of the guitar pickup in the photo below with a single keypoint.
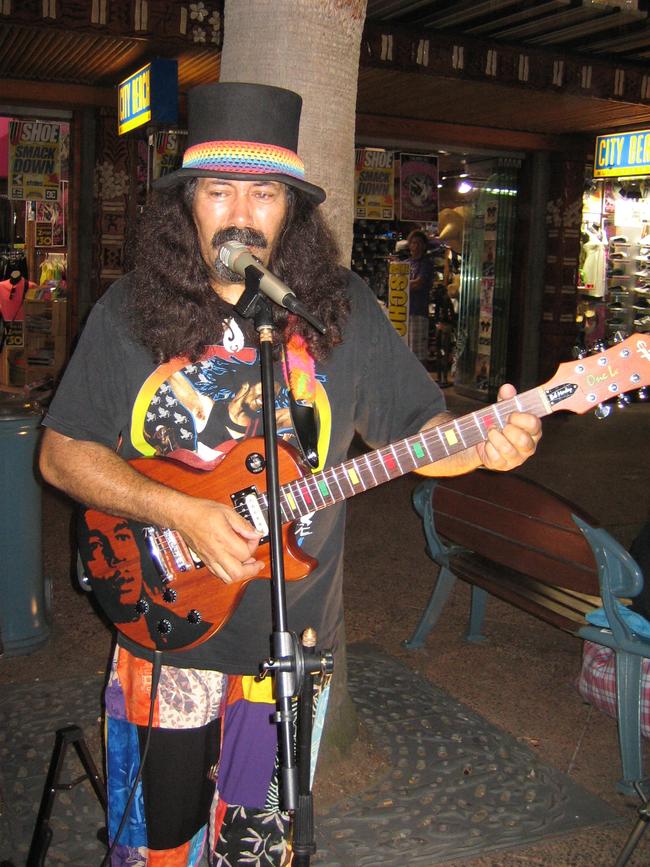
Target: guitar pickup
[
  {"x": 247, "y": 504},
  {"x": 168, "y": 552}
]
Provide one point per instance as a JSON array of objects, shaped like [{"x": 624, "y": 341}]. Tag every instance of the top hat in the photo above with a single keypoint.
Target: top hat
[{"x": 243, "y": 132}]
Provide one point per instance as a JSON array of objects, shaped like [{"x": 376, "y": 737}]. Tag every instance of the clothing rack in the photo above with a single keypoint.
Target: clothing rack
[{"x": 12, "y": 260}]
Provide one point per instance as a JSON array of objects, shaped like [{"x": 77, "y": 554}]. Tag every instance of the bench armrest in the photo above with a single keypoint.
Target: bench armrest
[
  {"x": 620, "y": 577},
  {"x": 423, "y": 504}
]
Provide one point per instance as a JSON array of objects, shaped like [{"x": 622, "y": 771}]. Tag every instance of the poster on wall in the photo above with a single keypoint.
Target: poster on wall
[
  {"x": 418, "y": 196},
  {"x": 398, "y": 296},
  {"x": 34, "y": 160},
  {"x": 49, "y": 220},
  {"x": 486, "y": 300},
  {"x": 374, "y": 197},
  {"x": 167, "y": 156},
  {"x": 484, "y": 343}
]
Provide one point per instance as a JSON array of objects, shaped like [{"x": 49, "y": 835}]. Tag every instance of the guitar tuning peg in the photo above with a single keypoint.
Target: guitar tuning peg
[
  {"x": 622, "y": 401},
  {"x": 578, "y": 352},
  {"x": 642, "y": 393},
  {"x": 603, "y": 410},
  {"x": 618, "y": 337},
  {"x": 599, "y": 346}
]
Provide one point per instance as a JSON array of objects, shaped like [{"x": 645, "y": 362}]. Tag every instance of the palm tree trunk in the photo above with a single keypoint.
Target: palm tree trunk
[{"x": 311, "y": 47}]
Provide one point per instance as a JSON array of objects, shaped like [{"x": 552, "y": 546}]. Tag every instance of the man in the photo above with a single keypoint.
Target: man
[
  {"x": 241, "y": 180},
  {"x": 421, "y": 276}
]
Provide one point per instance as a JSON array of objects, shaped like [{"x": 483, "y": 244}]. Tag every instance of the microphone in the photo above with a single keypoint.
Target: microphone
[{"x": 237, "y": 257}]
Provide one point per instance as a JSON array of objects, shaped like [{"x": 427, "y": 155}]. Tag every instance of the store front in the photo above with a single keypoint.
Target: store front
[
  {"x": 466, "y": 205},
  {"x": 614, "y": 275},
  {"x": 35, "y": 242}
]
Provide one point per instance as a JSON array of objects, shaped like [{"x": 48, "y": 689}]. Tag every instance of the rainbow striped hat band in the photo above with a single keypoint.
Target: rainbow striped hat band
[
  {"x": 243, "y": 132},
  {"x": 246, "y": 157}
]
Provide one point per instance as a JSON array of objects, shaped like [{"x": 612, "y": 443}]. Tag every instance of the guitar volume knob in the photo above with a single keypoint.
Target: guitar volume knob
[
  {"x": 164, "y": 626},
  {"x": 194, "y": 616},
  {"x": 170, "y": 595},
  {"x": 142, "y": 606}
]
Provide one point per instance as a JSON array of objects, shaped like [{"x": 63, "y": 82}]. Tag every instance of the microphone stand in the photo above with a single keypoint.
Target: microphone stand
[{"x": 293, "y": 666}]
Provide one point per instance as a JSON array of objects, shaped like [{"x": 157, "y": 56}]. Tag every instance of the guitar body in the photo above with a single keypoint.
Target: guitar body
[{"x": 167, "y": 600}]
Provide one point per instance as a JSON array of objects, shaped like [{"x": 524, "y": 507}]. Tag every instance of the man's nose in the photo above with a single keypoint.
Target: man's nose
[{"x": 241, "y": 213}]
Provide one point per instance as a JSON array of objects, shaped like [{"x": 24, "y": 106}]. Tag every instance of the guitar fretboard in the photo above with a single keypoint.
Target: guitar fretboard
[{"x": 319, "y": 490}]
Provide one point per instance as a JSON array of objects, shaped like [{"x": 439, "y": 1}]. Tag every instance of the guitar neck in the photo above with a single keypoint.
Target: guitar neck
[{"x": 320, "y": 490}]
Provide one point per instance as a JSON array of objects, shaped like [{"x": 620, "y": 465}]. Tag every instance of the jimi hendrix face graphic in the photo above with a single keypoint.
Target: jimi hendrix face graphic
[
  {"x": 197, "y": 412},
  {"x": 113, "y": 561}
]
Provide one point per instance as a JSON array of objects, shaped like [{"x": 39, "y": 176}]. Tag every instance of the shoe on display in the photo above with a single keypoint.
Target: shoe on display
[
  {"x": 615, "y": 322},
  {"x": 619, "y": 239},
  {"x": 642, "y": 304},
  {"x": 618, "y": 256},
  {"x": 643, "y": 323},
  {"x": 617, "y": 290},
  {"x": 645, "y": 272},
  {"x": 615, "y": 305}
]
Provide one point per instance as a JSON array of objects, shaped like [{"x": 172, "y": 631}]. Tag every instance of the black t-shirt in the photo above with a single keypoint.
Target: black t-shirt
[{"x": 371, "y": 384}]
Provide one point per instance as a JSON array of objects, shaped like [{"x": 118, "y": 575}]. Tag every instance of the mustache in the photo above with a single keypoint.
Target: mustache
[{"x": 249, "y": 237}]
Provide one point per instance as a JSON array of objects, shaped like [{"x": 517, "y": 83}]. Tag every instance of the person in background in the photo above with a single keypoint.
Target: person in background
[
  {"x": 420, "y": 284},
  {"x": 210, "y": 776}
]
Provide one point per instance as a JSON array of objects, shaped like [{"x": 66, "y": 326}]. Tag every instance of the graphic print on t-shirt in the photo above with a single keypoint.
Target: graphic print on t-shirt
[{"x": 196, "y": 412}]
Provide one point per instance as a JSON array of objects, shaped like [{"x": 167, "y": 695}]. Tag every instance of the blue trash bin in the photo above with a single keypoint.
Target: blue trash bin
[{"x": 24, "y": 600}]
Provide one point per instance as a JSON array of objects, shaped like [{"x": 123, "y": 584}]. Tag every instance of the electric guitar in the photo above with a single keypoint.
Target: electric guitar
[{"x": 157, "y": 592}]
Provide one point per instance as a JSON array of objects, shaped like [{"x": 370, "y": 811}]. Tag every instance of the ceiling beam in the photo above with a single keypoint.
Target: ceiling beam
[
  {"x": 455, "y": 56},
  {"x": 435, "y": 132},
  {"x": 576, "y": 31},
  {"x": 488, "y": 27},
  {"x": 42, "y": 93}
]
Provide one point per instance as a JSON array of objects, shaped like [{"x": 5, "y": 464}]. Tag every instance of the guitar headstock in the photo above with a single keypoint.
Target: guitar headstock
[{"x": 585, "y": 383}]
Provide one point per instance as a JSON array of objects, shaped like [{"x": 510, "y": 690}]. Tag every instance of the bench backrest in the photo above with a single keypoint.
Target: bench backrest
[{"x": 519, "y": 524}]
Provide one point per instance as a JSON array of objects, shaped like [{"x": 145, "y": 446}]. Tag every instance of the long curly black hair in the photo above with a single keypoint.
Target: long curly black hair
[{"x": 175, "y": 311}]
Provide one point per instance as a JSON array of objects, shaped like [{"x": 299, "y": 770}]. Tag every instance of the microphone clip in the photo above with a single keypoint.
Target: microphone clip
[{"x": 252, "y": 296}]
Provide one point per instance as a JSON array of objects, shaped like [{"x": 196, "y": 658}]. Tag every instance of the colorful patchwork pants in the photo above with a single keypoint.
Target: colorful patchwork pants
[{"x": 210, "y": 775}]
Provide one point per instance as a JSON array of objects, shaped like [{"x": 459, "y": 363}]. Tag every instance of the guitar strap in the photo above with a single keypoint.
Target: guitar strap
[{"x": 300, "y": 375}]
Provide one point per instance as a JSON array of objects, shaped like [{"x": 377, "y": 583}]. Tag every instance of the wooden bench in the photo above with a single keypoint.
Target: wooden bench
[{"x": 512, "y": 538}]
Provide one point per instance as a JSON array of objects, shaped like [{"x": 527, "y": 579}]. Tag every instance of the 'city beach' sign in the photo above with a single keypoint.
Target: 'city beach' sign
[
  {"x": 150, "y": 95},
  {"x": 622, "y": 154}
]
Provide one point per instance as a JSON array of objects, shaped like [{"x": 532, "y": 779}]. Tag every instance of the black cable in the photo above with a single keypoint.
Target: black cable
[{"x": 155, "y": 677}]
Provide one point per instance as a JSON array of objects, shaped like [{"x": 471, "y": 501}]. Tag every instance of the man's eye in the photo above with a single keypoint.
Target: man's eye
[
  {"x": 123, "y": 537},
  {"x": 95, "y": 546}
]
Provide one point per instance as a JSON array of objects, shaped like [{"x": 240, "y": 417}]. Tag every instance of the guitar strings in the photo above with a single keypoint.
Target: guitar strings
[{"x": 529, "y": 401}]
